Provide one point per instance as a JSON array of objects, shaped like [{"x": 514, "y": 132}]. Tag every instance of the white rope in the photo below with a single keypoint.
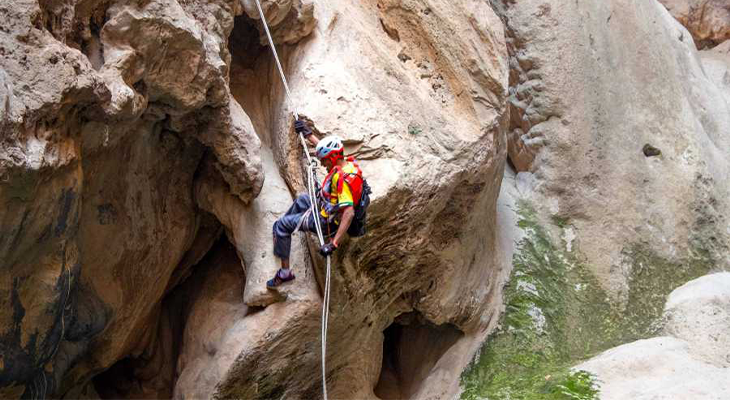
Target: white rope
[
  {"x": 311, "y": 188},
  {"x": 276, "y": 57}
]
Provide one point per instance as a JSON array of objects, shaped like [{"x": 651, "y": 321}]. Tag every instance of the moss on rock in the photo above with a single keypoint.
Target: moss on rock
[{"x": 557, "y": 314}]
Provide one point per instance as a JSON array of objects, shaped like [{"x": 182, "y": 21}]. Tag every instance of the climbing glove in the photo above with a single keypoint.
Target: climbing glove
[
  {"x": 301, "y": 127},
  {"x": 327, "y": 249}
]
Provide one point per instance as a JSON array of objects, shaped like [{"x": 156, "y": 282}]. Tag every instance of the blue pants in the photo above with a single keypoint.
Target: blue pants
[{"x": 285, "y": 226}]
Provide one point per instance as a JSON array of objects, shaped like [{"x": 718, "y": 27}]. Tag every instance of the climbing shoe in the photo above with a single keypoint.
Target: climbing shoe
[{"x": 279, "y": 278}]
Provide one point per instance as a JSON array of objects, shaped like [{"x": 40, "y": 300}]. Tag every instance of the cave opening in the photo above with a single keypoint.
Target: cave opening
[
  {"x": 244, "y": 44},
  {"x": 152, "y": 372},
  {"x": 249, "y": 61},
  {"x": 412, "y": 347},
  {"x": 251, "y": 80}
]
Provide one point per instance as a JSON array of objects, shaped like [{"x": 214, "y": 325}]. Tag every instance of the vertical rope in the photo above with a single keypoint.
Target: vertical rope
[
  {"x": 276, "y": 58},
  {"x": 312, "y": 196}
]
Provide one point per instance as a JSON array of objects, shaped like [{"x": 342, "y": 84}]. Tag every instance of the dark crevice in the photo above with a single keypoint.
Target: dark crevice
[
  {"x": 154, "y": 372},
  {"x": 651, "y": 151},
  {"x": 90, "y": 40},
  {"x": 411, "y": 348},
  {"x": 244, "y": 44},
  {"x": 77, "y": 25},
  {"x": 511, "y": 165},
  {"x": 249, "y": 73}
]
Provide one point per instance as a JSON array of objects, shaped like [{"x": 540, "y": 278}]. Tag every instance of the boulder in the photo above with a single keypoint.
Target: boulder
[
  {"x": 690, "y": 362},
  {"x": 661, "y": 368},
  {"x": 698, "y": 312}
]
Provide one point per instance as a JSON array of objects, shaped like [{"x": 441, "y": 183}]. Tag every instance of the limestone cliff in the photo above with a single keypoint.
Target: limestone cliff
[{"x": 576, "y": 152}]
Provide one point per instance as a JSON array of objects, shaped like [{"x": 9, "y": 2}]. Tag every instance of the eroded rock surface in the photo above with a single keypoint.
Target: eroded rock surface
[
  {"x": 698, "y": 312},
  {"x": 126, "y": 122},
  {"x": 137, "y": 200},
  {"x": 102, "y": 132},
  {"x": 618, "y": 127},
  {"x": 351, "y": 78},
  {"x": 590, "y": 109}
]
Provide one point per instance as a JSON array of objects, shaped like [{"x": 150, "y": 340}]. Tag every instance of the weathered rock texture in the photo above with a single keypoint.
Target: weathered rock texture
[
  {"x": 592, "y": 83},
  {"x": 131, "y": 135},
  {"x": 690, "y": 362},
  {"x": 707, "y": 20},
  {"x": 146, "y": 147},
  {"x": 619, "y": 129},
  {"x": 427, "y": 253},
  {"x": 107, "y": 110}
]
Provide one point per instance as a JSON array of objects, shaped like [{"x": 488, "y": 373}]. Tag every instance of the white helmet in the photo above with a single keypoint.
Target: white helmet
[{"x": 330, "y": 147}]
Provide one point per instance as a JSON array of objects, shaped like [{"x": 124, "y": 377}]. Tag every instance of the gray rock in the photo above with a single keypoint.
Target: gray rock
[{"x": 690, "y": 362}]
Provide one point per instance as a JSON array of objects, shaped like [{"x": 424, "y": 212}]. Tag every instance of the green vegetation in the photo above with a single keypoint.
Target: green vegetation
[
  {"x": 651, "y": 280},
  {"x": 579, "y": 385},
  {"x": 414, "y": 130},
  {"x": 557, "y": 315},
  {"x": 559, "y": 221}
]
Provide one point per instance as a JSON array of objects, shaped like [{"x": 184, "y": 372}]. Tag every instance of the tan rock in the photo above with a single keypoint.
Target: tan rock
[
  {"x": 660, "y": 368},
  {"x": 231, "y": 136},
  {"x": 113, "y": 127},
  {"x": 161, "y": 50},
  {"x": 221, "y": 331},
  {"x": 159, "y": 54},
  {"x": 100, "y": 142},
  {"x": 250, "y": 229},
  {"x": 350, "y": 81},
  {"x": 289, "y": 20},
  {"x": 707, "y": 20}
]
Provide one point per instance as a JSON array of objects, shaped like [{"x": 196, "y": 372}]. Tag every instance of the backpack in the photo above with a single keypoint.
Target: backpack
[
  {"x": 358, "y": 226},
  {"x": 360, "y": 194}
]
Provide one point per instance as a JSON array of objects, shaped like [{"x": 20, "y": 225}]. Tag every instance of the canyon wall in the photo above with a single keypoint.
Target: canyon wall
[{"x": 544, "y": 174}]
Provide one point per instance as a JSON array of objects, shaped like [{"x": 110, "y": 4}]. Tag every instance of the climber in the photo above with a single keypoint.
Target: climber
[{"x": 342, "y": 190}]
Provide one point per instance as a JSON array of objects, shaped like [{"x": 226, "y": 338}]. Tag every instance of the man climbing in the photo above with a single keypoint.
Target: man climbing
[{"x": 341, "y": 187}]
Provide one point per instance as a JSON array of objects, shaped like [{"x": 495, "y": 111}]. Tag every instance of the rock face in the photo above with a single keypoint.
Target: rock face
[
  {"x": 585, "y": 105},
  {"x": 618, "y": 130},
  {"x": 146, "y": 147},
  {"x": 131, "y": 135},
  {"x": 102, "y": 132},
  {"x": 691, "y": 362},
  {"x": 358, "y": 77},
  {"x": 707, "y": 20}
]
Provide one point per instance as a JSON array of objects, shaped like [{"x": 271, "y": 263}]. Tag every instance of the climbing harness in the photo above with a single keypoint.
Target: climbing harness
[
  {"x": 360, "y": 191},
  {"x": 354, "y": 181},
  {"x": 313, "y": 197}
]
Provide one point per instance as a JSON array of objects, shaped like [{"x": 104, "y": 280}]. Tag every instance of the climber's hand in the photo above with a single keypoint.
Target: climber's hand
[
  {"x": 301, "y": 128},
  {"x": 327, "y": 249}
]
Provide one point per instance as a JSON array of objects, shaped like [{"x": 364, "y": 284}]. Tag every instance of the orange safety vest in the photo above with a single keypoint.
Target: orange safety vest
[{"x": 354, "y": 180}]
